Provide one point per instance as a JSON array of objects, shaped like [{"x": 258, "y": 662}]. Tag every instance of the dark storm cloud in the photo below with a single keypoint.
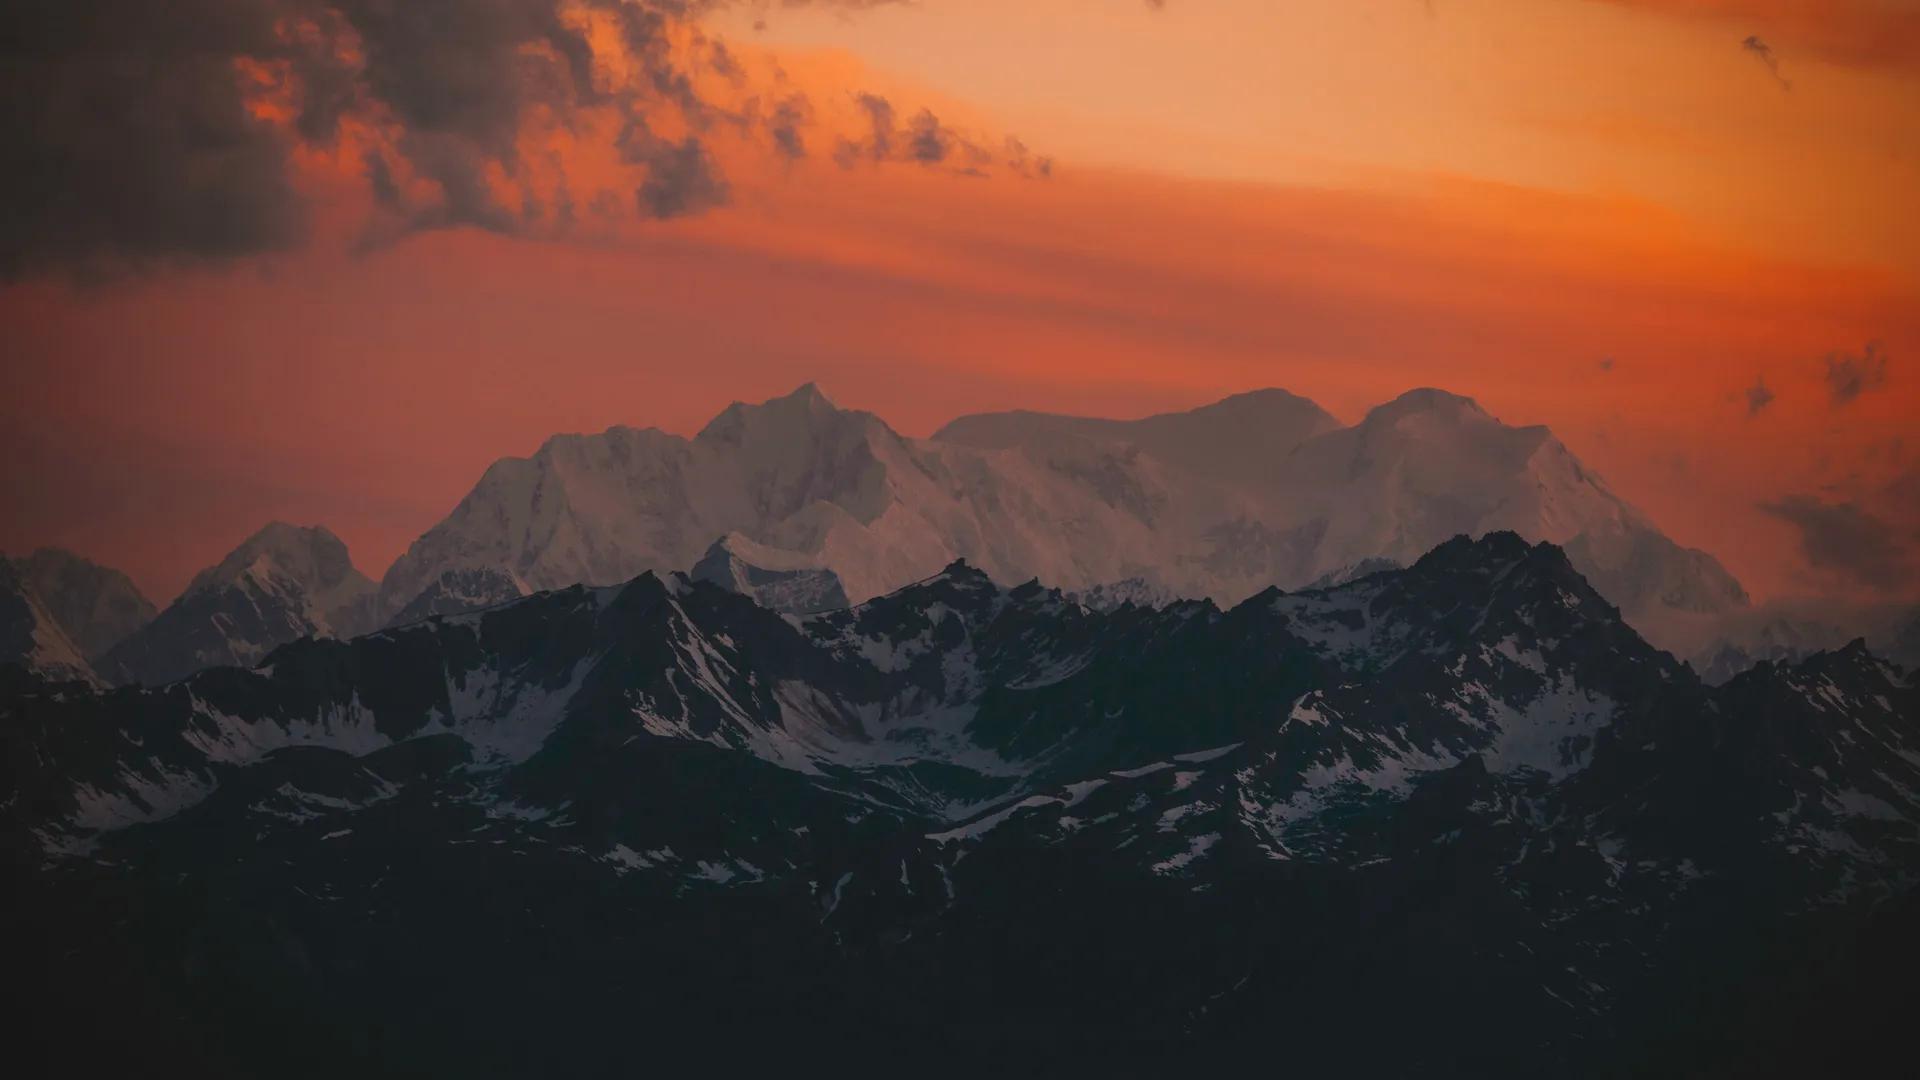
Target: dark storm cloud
[
  {"x": 130, "y": 138},
  {"x": 462, "y": 67},
  {"x": 125, "y": 133},
  {"x": 1849, "y": 376},
  {"x": 682, "y": 178},
  {"x": 458, "y": 78},
  {"x": 1847, "y": 540}
]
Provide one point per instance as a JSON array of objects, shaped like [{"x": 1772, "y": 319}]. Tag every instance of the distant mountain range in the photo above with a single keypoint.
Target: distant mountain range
[
  {"x": 1456, "y": 819},
  {"x": 812, "y": 505},
  {"x": 1258, "y": 490}
]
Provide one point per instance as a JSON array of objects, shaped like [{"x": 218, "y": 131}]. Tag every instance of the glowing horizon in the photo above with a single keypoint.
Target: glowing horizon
[{"x": 1686, "y": 256}]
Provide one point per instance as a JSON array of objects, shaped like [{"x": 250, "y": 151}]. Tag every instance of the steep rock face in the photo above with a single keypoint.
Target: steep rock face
[
  {"x": 1261, "y": 489},
  {"x": 772, "y": 578},
  {"x": 457, "y": 592},
  {"x": 97, "y": 606},
  {"x": 1353, "y": 572},
  {"x": 283, "y": 583},
  {"x": 31, "y": 637},
  {"x": 1136, "y": 591},
  {"x": 1302, "y": 819}
]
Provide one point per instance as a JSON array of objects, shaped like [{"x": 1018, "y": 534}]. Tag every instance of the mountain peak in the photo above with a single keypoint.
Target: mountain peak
[
  {"x": 807, "y": 398},
  {"x": 1427, "y": 401},
  {"x": 309, "y": 552},
  {"x": 963, "y": 571},
  {"x": 56, "y": 556},
  {"x": 1269, "y": 397},
  {"x": 810, "y": 394},
  {"x": 803, "y": 409},
  {"x": 281, "y": 535},
  {"x": 96, "y": 606},
  {"x": 282, "y": 583},
  {"x": 959, "y": 574},
  {"x": 29, "y": 633},
  {"x": 1501, "y": 548}
]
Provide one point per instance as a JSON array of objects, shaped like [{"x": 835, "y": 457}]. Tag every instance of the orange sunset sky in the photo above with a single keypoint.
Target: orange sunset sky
[{"x": 1683, "y": 233}]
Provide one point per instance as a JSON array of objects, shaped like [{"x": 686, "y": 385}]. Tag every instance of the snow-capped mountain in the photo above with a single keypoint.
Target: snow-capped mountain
[
  {"x": 831, "y": 488},
  {"x": 1338, "y": 502},
  {"x": 281, "y": 584},
  {"x": 601, "y": 509},
  {"x": 1429, "y": 465},
  {"x": 1260, "y": 489},
  {"x": 1236, "y": 440},
  {"x": 658, "y": 812}
]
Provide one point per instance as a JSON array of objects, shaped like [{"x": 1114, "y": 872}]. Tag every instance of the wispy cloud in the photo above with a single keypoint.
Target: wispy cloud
[
  {"x": 1849, "y": 376},
  {"x": 925, "y": 140},
  {"x": 1860, "y": 33},
  {"x": 1764, "y": 53}
]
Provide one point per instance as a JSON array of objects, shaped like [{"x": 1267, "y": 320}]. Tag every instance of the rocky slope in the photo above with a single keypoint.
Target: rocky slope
[
  {"x": 282, "y": 584},
  {"x": 31, "y": 637},
  {"x": 995, "y": 825},
  {"x": 97, "y": 606},
  {"x": 60, "y": 614},
  {"x": 771, "y": 578}
]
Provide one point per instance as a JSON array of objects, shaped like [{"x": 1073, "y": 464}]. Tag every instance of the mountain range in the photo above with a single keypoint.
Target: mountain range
[
  {"x": 1261, "y": 489},
  {"x": 1257, "y": 490},
  {"x": 1452, "y": 819}
]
